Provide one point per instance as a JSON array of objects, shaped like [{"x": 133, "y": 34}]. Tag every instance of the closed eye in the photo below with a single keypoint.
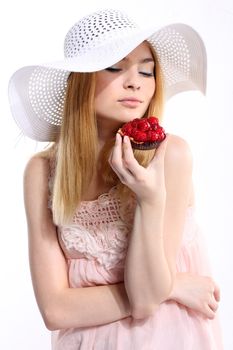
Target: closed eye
[
  {"x": 113, "y": 69},
  {"x": 147, "y": 74},
  {"x": 116, "y": 70}
]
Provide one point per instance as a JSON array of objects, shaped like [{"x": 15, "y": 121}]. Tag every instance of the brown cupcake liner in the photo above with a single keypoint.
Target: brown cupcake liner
[{"x": 145, "y": 145}]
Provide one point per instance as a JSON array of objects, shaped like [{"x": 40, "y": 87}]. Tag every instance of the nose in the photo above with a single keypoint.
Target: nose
[{"x": 132, "y": 80}]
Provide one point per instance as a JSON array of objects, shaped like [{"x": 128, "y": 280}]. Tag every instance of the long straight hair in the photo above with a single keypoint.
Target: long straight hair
[{"x": 77, "y": 148}]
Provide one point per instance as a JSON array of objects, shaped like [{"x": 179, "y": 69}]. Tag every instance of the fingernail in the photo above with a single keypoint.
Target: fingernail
[
  {"x": 126, "y": 139},
  {"x": 117, "y": 136}
]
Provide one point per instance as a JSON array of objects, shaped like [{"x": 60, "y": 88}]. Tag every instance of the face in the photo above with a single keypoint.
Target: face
[{"x": 124, "y": 90}]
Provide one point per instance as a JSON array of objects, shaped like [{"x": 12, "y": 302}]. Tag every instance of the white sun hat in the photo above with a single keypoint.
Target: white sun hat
[{"x": 97, "y": 41}]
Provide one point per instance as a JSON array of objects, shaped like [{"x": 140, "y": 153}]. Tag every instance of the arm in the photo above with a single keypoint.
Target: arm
[
  {"x": 61, "y": 306},
  {"x": 162, "y": 191}
]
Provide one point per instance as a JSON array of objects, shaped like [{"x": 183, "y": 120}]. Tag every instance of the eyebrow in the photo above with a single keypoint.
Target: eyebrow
[{"x": 144, "y": 60}]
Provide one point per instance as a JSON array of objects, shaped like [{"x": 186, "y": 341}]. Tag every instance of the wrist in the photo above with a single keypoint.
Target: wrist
[
  {"x": 174, "y": 294},
  {"x": 157, "y": 204}
]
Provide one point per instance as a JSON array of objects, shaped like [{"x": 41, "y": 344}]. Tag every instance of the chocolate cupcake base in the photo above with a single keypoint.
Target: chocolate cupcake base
[{"x": 145, "y": 145}]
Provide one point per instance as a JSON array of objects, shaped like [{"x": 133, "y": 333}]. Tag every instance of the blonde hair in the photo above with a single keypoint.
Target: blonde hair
[{"x": 77, "y": 148}]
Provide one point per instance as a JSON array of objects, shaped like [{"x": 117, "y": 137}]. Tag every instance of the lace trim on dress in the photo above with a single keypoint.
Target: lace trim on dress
[
  {"x": 99, "y": 231},
  {"x": 107, "y": 244},
  {"x": 99, "y": 228}
]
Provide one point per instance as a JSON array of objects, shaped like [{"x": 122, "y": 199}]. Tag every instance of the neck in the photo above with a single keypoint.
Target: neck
[{"x": 107, "y": 130}]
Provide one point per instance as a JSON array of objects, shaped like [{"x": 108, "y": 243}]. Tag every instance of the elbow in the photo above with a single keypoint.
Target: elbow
[
  {"x": 51, "y": 319},
  {"x": 143, "y": 311}
]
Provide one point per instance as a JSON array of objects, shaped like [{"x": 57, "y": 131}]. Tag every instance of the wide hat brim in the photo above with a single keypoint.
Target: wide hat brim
[{"x": 36, "y": 93}]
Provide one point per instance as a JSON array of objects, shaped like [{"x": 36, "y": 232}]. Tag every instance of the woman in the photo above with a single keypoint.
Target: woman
[{"x": 115, "y": 252}]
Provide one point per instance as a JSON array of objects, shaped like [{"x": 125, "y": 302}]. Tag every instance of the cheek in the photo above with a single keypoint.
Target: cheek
[
  {"x": 101, "y": 83},
  {"x": 100, "y": 92},
  {"x": 103, "y": 97},
  {"x": 104, "y": 89},
  {"x": 105, "y": 83},
  {"x": 151, "y": 89},
  {"x": 100, "y": 86}
]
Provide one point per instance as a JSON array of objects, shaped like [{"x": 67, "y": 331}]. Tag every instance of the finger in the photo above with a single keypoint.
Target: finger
[
  {"x": 209, "y": 312},
  {"x": 116, "y": 163},
  {"x": 128, "y": 157},
  {"x": 216, "y": 292},
  {"x": 117, "y": 150},
  {"x": 115, "y": 158},
  {"x": 213, "y": 304}
]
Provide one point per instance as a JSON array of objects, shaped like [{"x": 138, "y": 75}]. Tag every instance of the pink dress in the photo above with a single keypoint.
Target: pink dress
[{"x": 95, "y": 245}]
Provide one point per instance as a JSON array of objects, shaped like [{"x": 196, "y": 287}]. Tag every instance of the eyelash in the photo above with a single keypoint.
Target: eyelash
[
  {"x": 147, "y": 74},
  {"x": 113, "y": 70},
  {"x": 116, "y": 70}
]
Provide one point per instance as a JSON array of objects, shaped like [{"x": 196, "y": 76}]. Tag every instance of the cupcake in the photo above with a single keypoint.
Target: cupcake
[{"x": 144, "y": 134}]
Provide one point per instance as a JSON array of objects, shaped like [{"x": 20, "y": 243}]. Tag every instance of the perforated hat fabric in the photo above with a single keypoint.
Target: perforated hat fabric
[{"x": 97, "y": 41}]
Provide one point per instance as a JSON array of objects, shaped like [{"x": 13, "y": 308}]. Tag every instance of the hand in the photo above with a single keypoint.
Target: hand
[
  {"x": 147, "y": 183},
  {"x": 199, "y": 293}
]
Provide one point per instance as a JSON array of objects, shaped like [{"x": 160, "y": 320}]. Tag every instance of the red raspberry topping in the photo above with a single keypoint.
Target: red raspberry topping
[
  {"x": 152, "y": 136},
  {"x": 144, "y": 130},
  {"x": 140, "y": 136},
  {"x": 143, "y": 125},
  {"x": 134, "y": 122},
  {"x": 127, "y": 129},
  {"x": 153, "y": 121}
]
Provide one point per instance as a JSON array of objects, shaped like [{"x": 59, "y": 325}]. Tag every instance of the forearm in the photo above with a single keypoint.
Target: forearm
[
  {"x": 147, "y": 275},
  {"x": 87, "y": 307}
]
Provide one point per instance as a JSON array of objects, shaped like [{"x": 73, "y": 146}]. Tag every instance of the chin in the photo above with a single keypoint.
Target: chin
[
  {"x": 127, "y": 117},
  {"x": 120, "y": 117}
]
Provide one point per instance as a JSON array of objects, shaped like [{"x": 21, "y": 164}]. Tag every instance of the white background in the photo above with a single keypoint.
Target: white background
[{"x": 32, "y": 32}]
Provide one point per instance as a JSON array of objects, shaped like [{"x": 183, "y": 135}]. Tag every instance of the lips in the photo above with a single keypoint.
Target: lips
[
  {"x": 130, "y": 102},
  {"x": 131, "y": 99}
]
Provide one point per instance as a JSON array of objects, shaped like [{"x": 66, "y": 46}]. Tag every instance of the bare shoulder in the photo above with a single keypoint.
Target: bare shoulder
[
  {"x": 178, "y": 152},
  {"x": 37, "y": 169},
  {"x": 36, "y": 182},
  {"x": 178, "y": 167},
  {"x": 36, "y": 194}
]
